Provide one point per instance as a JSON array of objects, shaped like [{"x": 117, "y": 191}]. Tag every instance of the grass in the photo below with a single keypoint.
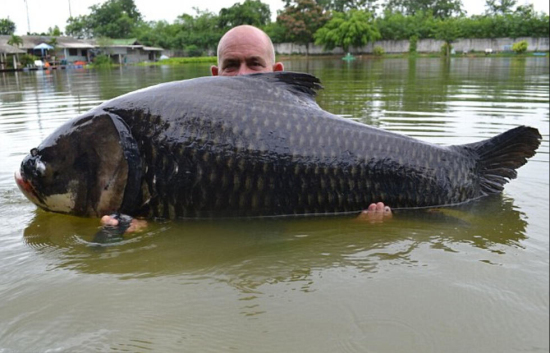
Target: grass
[{"x": 183, "y": 60}]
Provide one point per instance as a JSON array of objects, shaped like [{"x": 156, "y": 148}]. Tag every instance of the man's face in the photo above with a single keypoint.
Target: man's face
[{"x": 245, "y": 51}]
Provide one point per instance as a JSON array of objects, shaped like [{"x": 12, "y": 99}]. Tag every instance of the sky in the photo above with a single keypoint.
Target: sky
[{"x": 45, "y": 14}]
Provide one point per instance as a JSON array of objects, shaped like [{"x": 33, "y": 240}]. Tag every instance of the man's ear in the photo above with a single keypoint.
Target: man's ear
[
  {"x": 214, "y": 70},
  {"x": 278, "y": 67}
]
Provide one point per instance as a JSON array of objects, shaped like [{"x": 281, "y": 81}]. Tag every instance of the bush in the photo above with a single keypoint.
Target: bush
[
  {"x": 102, "y": 60},
  {"x": 520, "y": 47},
  {"x": 193, "y": 51},
  {"x": 413, "y": 41},
  {"x": 27, "y": 59},
  {"x": 378, "y": 51}
]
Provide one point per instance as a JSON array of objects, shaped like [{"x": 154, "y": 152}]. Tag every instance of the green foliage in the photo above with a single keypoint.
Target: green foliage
[
  {"x": 277, "y": 32},
  {"x": 302, "y": 19},
  {"x": 193, "y": 50},
  {"x": 378, "y": 51},
  {"x": 345, "y": 5},
  {"x": 413, "y": 42},
  {"x": 53, "y": 42},
  {"x": 15, "y": 40},
  {"x": 439, "y": 8},
  {"x": 520, "y": 47},
  {"x": 184, "y": 60},
  {"x": 524, "y": 22},
  {"x": 114, "y": 19},
  {"x": 79, "y": 27},
  {"x": 251, "y": 12},
  {"x": 352, "y": 29},
  {"x": 199, "y": 33},
  {"x": 396, "y": 26},
  {"x": 27, "y": 59},
  {"x": 55, "y": 31},
  {"x": 447, "y": 30},
  {"x": 499, "y": 7},
  {"x": 201, "y": 30},
  {"x": 102, "y": 61},
  {"x": 7, "y": 26},
  {"x": 157, "y": 34}
]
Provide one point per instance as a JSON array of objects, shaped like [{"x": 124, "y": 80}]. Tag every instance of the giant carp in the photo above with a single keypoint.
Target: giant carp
[{"x": 254, "y": 145}]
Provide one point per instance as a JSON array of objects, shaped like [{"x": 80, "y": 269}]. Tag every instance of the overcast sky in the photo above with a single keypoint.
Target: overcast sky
[{"x": 48, "y": 13}]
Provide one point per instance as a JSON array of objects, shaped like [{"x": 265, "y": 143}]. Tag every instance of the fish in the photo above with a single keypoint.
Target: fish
[{"x": 252, "y": 146}]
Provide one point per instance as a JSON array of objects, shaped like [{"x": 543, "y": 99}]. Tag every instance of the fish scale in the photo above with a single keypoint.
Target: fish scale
[{"x": 258, "y": 145}]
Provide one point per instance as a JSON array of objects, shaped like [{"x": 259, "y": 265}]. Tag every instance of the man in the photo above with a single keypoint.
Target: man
[{"x": 246, "y": 50}]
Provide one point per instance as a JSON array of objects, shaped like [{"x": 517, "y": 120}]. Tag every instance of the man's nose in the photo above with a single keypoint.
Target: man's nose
[{"x": 244, "y": 69}]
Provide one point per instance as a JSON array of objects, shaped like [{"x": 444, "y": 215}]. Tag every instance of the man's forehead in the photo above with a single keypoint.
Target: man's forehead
[
  {"x": 230, "y": 57},
  {"x": 244, "y": 51}
]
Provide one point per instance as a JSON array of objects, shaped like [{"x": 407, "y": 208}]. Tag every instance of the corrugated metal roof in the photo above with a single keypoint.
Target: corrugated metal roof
[
  {"x": 153, "y": 48},
  {"x": 124, "y": 42},
  {"x": 30, "y": 42},
  {"x": 6, "y": 48}
]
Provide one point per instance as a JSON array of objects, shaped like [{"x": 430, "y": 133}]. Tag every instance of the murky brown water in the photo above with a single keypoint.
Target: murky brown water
[{"x": 468, "y": 279}]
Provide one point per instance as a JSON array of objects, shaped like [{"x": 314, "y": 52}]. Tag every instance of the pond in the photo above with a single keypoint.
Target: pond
[{"x": 473, "y": 278}]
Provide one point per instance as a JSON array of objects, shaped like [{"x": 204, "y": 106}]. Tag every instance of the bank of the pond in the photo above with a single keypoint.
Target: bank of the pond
[{"x": 212, "y": 59}]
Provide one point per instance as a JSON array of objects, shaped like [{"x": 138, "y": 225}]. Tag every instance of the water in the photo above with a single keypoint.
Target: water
[{"x": 468, "y": 279}]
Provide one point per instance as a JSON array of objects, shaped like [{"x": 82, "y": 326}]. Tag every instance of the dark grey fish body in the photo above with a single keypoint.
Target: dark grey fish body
[{"x": 260, "y": 146}]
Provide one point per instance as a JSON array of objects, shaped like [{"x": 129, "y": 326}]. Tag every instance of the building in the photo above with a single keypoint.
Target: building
[
  {"x": 126, "y": 51},
  {"x": 67, "y": 50}
]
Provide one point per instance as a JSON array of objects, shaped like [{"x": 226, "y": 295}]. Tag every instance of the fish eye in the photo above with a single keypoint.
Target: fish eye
[{"x": 34, "y": 152}]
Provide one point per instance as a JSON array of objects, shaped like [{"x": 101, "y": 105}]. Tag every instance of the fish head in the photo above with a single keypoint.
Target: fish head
[{"x": 80, "y": 169}]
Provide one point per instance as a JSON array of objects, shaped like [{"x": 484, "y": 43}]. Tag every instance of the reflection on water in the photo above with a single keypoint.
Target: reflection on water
[
  {"x": 264, "y": 250},
  {"x": 295, "y": 284}
]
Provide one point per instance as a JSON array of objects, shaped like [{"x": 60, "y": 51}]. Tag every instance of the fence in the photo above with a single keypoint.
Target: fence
[{"x": 423, "y": 46}]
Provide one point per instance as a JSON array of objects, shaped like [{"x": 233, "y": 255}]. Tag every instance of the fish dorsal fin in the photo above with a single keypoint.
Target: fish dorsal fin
[{"x": 296, "y": 82}]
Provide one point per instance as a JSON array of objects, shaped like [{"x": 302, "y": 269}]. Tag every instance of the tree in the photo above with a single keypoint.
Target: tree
[
  {"x": 79, "y": 27},
  {"x": 55, "y": 31},
  {"x": 15, "y": 40},
  {"x": 499, "y": 7},
  {"x": 448, "y": 31},
  {"x": 346, "y": 5},
  {"x": 113, "y": 19},
  {"x": 396, "y": 26},
  {"x": 201, "y": 31},
  {"x": 351, "y": 29},
  {"x": 7, "y": 26},
  {"x": 276, "y": 31},
  {"x": 439, "y": 8},
  {"x": 302, "y": 20},
  {"x": 157, "y": 34},
  {"x": 251, "y": 12}
]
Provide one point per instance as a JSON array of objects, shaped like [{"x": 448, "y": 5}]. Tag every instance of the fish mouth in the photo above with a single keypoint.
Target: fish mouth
[{"x": 26, "y": 187}]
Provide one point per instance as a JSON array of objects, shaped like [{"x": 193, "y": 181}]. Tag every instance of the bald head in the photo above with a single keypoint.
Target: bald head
[{"x": 245, "y": 50}]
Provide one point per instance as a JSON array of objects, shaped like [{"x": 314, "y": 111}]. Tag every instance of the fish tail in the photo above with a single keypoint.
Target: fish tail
[{"x": 500, "y": 156}]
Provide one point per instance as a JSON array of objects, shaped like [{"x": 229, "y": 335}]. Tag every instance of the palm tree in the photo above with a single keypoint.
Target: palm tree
[{"x": 15, "y": 40}]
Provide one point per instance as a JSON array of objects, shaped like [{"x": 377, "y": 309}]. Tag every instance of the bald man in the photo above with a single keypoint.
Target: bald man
[{"x": 245, "y": 50}]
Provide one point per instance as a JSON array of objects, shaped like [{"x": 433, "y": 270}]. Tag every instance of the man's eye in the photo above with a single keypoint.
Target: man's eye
[{"x": 230, "y": 66}]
